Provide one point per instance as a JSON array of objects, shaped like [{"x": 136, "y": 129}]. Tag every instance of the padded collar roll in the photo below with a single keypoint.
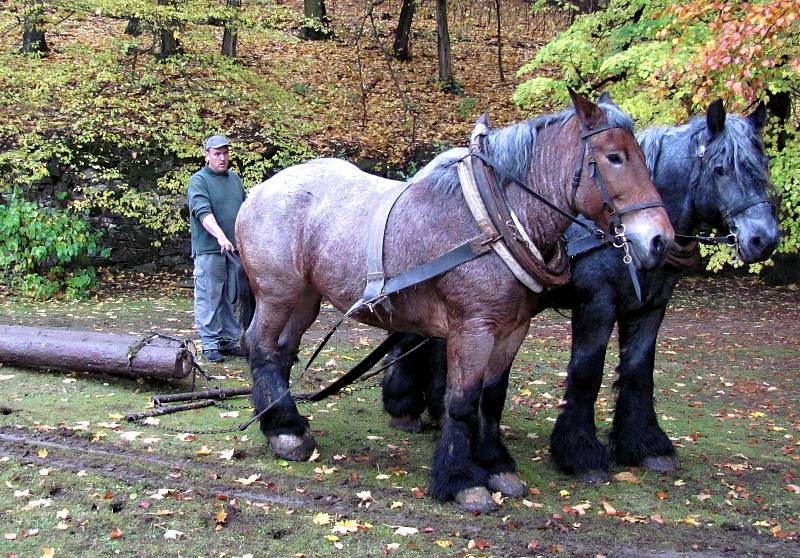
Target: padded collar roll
[{"x": 496, "y": 219}]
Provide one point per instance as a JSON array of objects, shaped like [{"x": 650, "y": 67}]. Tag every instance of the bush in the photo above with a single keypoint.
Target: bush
[{"x": 46, "y": 252}]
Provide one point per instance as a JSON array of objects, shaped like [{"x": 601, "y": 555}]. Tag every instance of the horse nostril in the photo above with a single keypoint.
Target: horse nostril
[
  {"x": 658, "y": 245},
  {"x": 756, "y": 242}
]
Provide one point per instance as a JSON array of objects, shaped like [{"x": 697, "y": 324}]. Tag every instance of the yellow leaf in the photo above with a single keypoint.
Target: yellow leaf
[
  {"x": 563, "y": 493},
  {"x": 322, "y": 519},
  {"x": 48, "y": 552},
  {"x": 626, "y": 476},
  {"x": 115, "y": 416},
  {"x": 205, "y": 450},
  {"x": 444, "y": 544},
  {"x": 344, "y": 527},
  {"x": 609, "y": 509},
  {"x": 395, "y": 505},
  {"x": 221, "y": 517},
  {"x": 332, "y": 538},
  {"x": 42, "y": 453},
  {"x": 249, "y": 480}
]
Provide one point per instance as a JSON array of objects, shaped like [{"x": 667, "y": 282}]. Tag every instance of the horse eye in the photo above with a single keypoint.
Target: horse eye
[{"x": 614, "y": 159}]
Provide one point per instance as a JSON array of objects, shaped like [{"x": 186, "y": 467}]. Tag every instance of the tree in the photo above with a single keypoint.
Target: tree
[
  {"x": 168, "y": 43},
  {"x": 230, "y": 34},
  {"x": 33, "y": 39},
  {"x": 402, "y": 35},
  {"x": 443, "y": 47},
  {"x": 499, "y": 42},
  {"x": 317, "y": 24}
]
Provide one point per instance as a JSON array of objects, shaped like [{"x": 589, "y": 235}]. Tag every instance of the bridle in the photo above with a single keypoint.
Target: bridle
[
  {"x": 728, "y": 214},
  {"x": 617, "y": 235},
  {"x": 617, "y": 238}
]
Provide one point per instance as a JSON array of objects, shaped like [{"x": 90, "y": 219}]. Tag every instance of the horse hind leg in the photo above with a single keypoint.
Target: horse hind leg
[
  {"x": 636, "y": 437},
  {"x": 273, "y": 339}
]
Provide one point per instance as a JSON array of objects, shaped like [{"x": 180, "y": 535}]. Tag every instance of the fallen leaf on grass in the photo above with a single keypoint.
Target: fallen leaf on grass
[
  {"x": 48, "y": 552},
  {"x": 444, "y": 544},
  {"x": 344, "y": 527},
  {"x": 395, "y": 505},
  {"x": 226, "y": 454},
  {"x": 229, "y": 414},
  {"x": 792, "y": 488},
  {"x": 691, "y": 520},
  {"x": 322, "y": 519},
  {"x": 115, "y": 534},
  {"x": 324, "y": 470},
  {"x": 405, "y": 531},
  {"x": 42, "y": 453},
  {"x": 249, "y": 480},
  {"x": 203, "y": 451},
  {"x": 626, "y": 476},
  {"x": 22, "y": 493},
  {"x": 221, "y": 517},
  {"x": 172, "y": 534},
  {"x": 129, "y": 436}
]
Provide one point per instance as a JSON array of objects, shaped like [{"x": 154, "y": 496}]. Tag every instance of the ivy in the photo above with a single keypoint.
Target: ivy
[{"x": 46, "y": 252}]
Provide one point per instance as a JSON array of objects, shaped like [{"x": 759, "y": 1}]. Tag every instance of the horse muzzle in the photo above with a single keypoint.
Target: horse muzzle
[{"x": 649, "y": 234}]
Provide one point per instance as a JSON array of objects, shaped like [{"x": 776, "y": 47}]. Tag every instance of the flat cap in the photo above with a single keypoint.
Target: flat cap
[{"x": 216, "y": 141}]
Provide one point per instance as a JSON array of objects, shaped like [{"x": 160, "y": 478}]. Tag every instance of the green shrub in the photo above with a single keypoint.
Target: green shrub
[{"x": 46, "y": 252}]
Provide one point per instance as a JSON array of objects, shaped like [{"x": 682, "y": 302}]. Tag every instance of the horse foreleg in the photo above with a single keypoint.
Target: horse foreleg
[
  {"x": 636, "y": 437},
  {"x": 273, "y": 343},
  {"x": 415, "y": 382},
  {"x": 456, "y": 474},
  {"x": 574, "y": 446},
  {"x": 492, "y": 453}
]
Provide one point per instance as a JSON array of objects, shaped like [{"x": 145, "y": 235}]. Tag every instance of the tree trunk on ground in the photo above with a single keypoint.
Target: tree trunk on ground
[
  {"x": 317, "y": 25},
  {"x": 443, "y": 44},
  {"x": 32, "y": 33},
  {"x": 230, "y": 34},
  {"x": 93, "y": 351},
  {"x": 402, "y": 36}
]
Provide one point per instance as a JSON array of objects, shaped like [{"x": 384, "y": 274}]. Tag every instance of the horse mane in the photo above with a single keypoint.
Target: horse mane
[
  {"x": 739, "y": 145},
  {"x": 512, "y": 147}
]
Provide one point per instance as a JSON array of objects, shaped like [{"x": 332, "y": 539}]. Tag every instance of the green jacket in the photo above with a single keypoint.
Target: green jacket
[{"x": 219, "y": 193}]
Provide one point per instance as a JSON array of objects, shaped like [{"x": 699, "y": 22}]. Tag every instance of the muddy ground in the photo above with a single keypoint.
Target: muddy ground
[{"x": 726, "y": 390}]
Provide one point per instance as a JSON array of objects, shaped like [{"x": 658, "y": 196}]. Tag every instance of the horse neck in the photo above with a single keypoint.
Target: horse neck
[
  {"x": 549, "y": 173},
  {"x": 674, "y": 168}
]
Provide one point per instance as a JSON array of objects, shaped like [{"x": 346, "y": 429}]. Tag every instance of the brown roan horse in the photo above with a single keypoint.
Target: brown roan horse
[{"x": 302, "y": 236}]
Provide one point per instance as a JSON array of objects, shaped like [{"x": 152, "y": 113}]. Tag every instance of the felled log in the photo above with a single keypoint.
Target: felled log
[{"x": 152, "y": 356}]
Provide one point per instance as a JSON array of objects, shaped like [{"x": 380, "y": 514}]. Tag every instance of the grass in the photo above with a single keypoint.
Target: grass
[{"x": 730, "y": 408}]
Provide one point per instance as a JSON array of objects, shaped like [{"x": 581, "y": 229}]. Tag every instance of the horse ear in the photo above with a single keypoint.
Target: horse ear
[
  {"x": 588, "y": 113},
  {"x": 605, "y": 98},
  {"x": 715, "y": 117},
  {"x": 484, "y": 119},
  {"x": 758, "y": 117}
]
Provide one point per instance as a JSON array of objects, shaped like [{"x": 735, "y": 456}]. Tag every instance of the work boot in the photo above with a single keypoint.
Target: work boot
[{"x": 213, "y": 355}]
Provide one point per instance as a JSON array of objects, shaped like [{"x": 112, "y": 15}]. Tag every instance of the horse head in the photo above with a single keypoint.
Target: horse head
[
  {"x": 732, "y": 185},
  {"x": 612, "y": 184}
]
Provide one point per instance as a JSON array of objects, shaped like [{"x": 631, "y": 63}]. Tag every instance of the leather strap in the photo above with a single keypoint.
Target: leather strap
[{"x": 377, "y": 231}]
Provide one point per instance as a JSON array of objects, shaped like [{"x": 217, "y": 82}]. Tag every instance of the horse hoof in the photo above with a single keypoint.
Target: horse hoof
[
  {"x": 509, "y": 484},
  {"x": 476, "y": 499},
  {"x": 595, "y": 476},
  {"x": 660, "y": 463},
  {"x": 293, "y": 448},
  {"x": 407, "y": 423}
]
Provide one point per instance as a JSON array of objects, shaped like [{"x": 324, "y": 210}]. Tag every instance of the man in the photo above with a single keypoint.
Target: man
[{"x": 214, "y": 197}]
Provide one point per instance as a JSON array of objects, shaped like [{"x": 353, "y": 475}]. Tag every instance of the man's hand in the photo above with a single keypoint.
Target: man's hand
[
  {"x": 224, "y": 244},
  {"x": 210, "y": 224}
]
